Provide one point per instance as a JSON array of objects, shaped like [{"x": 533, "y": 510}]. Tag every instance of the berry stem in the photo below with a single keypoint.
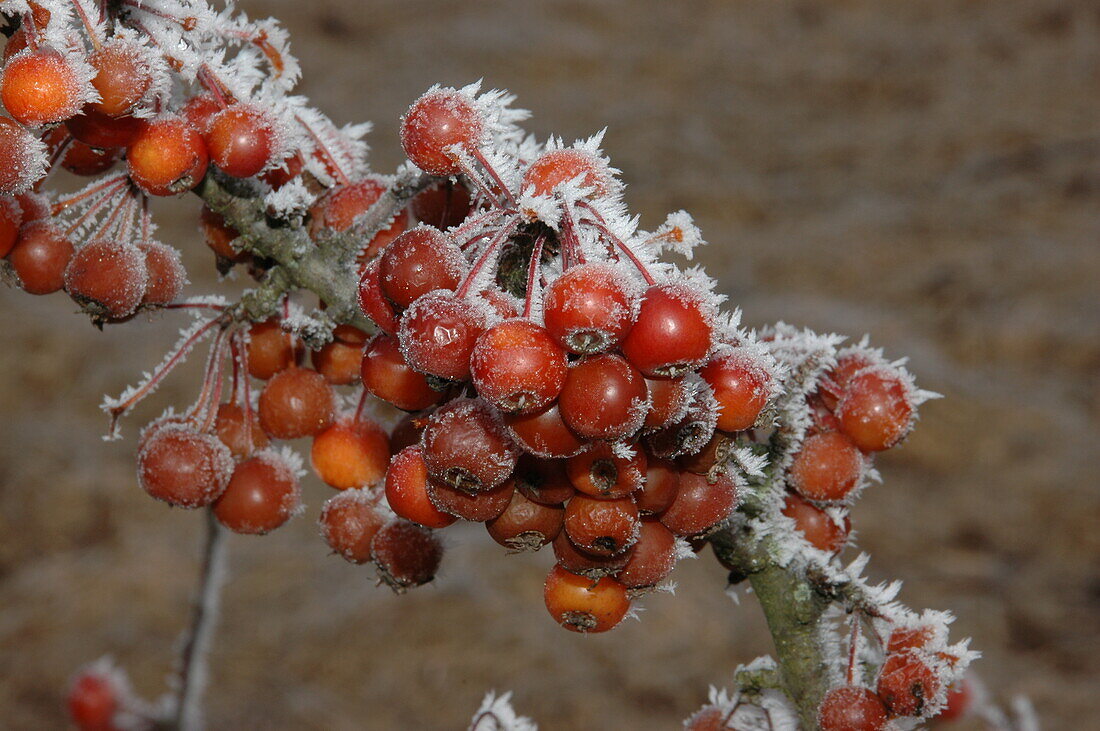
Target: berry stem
[
  {"x": 338, "y": 172},
  {"x": 533, "y": 269},
  {"x": 192, "y": 662},
  {"x": 476, "y": 154},
  {"x": 489, "y": 254},
  {"x": 97, "y": 43},
  {"x": 573, "y": 253},
  {"x": 105, "y": 186},
  {"x": 601, "y": 224}
]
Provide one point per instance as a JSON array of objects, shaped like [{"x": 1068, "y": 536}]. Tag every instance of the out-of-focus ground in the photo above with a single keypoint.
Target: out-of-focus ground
[{"x": 927, "y": 172}]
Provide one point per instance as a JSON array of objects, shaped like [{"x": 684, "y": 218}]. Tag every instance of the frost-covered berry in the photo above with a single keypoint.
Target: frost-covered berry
[
  {"x": 406, "y": 554},
  {"x": 820, "y": 529},
  {"x": 262, "y": 495},
  {"x": 419, "y": 261},
  {"x": 543, "y": 480},
  {"x": 699, "y": 504},
  {"x": 166, "y": 275},
  {"x": 602, "y": 526},
  {"x": 220, "y": 236},
  {"x": 270, "y": 349},
  {"x": 93, "y": 701},
  {"x": 373, "y": 302},
  {"x": 22, "y": 157},
  {"x": 241, "y": 139},
  {"x": 11, "y": 219},
  {"x": 590, "y": 308},
  {"x": 651, "y": 559},
  {"x": 337, "y": 210},
  {"x": 349, "y": 521},
  {"x": 604, "y": 397},
  {"x": 122, "y": 76},
  {"x": 555, "y": 167},
  {"x": 876, "y": 411},
  {"x": 107, "y": 278},
  {"x": 296, "y": 402},
  {"x": 741, "y": 386},
  {"x": 444, "y": 204},
  {"x": 241, "y": 434},
  {"x": 571, "y": 558},
  {"x": 350, "y": 453},
  {"x": 517, "y": 366},
  {"x": 183, "y": 467},
  {"x": 907, "y": 683},
  {"x": 43, "y": 86},
  {"x": 387, "y": 376},
  {"x": 339, "y": 362},
  {"x": 526, "y": 525},
  {"x": 438, "y": 332},
  {"x": 600, "y": 472},
  {"x": 99, "y": 130},
  {"x": 407, "y": 490},
  {"x": 673, "y": 332},
  {"x": 167, "y": 157},
  {"x": 580, "y": 605},
  {"x": 476, "y": 507},
  {"x": 660, "y": 486},
  {"x": 437, "y": 121},
  {"x": 668, "y": 402},
  {"x": 79, "y": 158},
  {"x": 466, "y": 447},
  {"x": 851, "y": 708},
  {"x": 826, "y": 467},
  {"x": 544, "y": 433}
]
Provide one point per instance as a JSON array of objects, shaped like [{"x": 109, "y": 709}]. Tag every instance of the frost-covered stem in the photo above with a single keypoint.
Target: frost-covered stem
[
  {"x": 793, "y": 609},
  {"x": 193, "y": 656}
]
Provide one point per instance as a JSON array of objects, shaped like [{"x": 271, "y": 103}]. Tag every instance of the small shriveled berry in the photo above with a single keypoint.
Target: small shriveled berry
[{"x": 406, "y": 554}]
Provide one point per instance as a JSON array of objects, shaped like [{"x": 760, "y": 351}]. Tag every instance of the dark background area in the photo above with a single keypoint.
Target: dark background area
[{"x": 926, "y": 172}]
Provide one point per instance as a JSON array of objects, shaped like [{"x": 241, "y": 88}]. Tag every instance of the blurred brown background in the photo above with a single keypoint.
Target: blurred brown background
[{"x": 928, "y": 172}]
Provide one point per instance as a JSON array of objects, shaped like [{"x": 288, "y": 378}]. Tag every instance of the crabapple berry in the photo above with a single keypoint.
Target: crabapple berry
[
  {"x": 816, "y": 526},
  {"x": 122, "y": 77},
  {"x": 603, "y": 527},
  {"x": 580, "y": 605},
  {"x": 406, "y": 554},
  {"x": 107, "y": 278},
  {"x": 373, "y": 302},
  {"x": 876, "y": 410},
  {"x": 589, "y": 308},
  {"x": 576, "y": 561},
  {"x": 477, "y": 507},
  {"x": 386, "y": 375},
  {"x": 93, "y": 701},
  {"x": 437, "y": 334},
  {"x": 599, "y": 472},
  {"x": 22, "y": 156},
  {"x": 906, "y": 683},
  {"x": 340, "y": 363},
  {"x": 220, "y": 236},
  {"x": 466, "y": 447},
  {"x": 851, "y": 708},
  {"x": 419, "y": 261},
  {"x": 544, "y": 433},
  {"x": 660, "y": 486},
  {"x": 551, "y": 169},
  {"x": 672, "y": 333},
  {"x": 261, "y": 496},
  {"x": 270, "y": 349},
  {"x": 517, "y": 366},
  {"x": 296, "y": 402},
  {"x": 526, "y": 525},
  {"x": 543, "y": 480},
  {"x": 604, "y": 397},
  {"x": 167, "y": 157},
  {"x": 668, "y": 402},
  {"x": 337, "y": 210},
  {"x": 350, "y": 453},
  {"x": 243, "y": 437},
  {"x": 42, "y": 86},
  {"x": 40, "y": 256},
  {"x": 241, "y": 139},
  {"x": 183, "y": 467},
  {"x": 444, "y": 204},
  {"x": 741, "y": 386},
  {"x": 407, "y": 490},
  {"x": 652, "y": 558},
  {"x": 349, "y": 520},
  {"x": 11, "y": 218},
  {"x": 435, "y": 122},
  {"x": 827, "y": 467},
  {"x": 98, "y": 130},
  {"x": 700, "y": 504}
]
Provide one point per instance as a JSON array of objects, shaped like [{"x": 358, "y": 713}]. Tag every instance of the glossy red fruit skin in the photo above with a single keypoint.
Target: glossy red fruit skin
[
  {"x": 41, "y": 87},
  {"x": 241, "y": 140},
  {"x": 602, "y": 527},
  {"x": 79, "y": 158},
  {"x": 107, "y": 278},
  {"x": 19, "y": 150},
  {"x": 373, "y": 302},
  {"x": 419, "y": 261},
  {"x": 230, "y": 427},
  {"x": 651, "y": 559},
  {"x": 662, "y": 483},
  {"x": 349, "y": 520},
  {"x": 262, "y": 495},
  {"x": 580, "y": 605},
  {"x": 826, "y": 468},
  {"x": 465, "y": 446},
  {"x": 543, "y": 433},
  {"x": 590, "y": 308},
  {"x": 386, "y": 375},
  {"x": 673, "y": 332},
  {"x": 443, "y": 205},
  {"x": 668, "y": 402},
  {"x": 741, "y": 386},
  {"x": 526, "y": 525},
  {"x": 11, "y": 219},
  {"x": 599, "y": 472},
  {"x": 517, "y": 366},
  {"x": 851, "y": 708},
  {"x": 220, "y": 236},
  {"x": 406, "y": 554},
  {"x": 200, "y": 110},
  {"x": 699, "y": 504},
  {"x": 476, "y": 507},
  {"x": 437, "y": 334},
  {"x": 92, "y": 702},
  {"x": 121, "y": 77},
  {"x": 296, "y": 403},
  {"x": 543, "y": 480},
  {"x": 815, "y": 525},
  {"x": 182, "y": 467},
  {"x": 340, "y": 363},
  {"x": 436, "y": 121},
  {"x": 98, "y": 130},
  {"x": 876, "y": 410},
  {"x": 167, "y": 156},
  {"x": 407, "y": 490},
  {"x": 555, "y": 167},
  {"x": 604, "y": 397},
  {"x": 40, "y": 256},
  {"x": 350, "y": 453},
  {"x": 270, "y": 349},
  {"x": 906, "y": 683}
]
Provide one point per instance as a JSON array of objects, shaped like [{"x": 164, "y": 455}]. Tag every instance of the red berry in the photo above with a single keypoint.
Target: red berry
[
  {"x": 438, "y": 333},
  {"x": 243, "y": 437},
  {"x": 122, "y": 77},
  {"x": 373, "y": 302},
  {"x": 590, "y": 308},
  {"x": 741, "y": 386},
  {"x": 543, "y": 480},
  {"x": 603, "y": 527},
  {"x": 555, "y": 167},
  {"x": 340, "y": 363},
  {"x": 242, "y": 140},
  {"x": 23, "y": 158},
  {"x": 107, "y": 278},
  {"x": 407, "y": 490},
  {"x": 652, "y": 558},
  {"x": 444, "y": 204},
  {"x": 477, "y": 507},
  {"x": 700, "y": 504},
  {"x": 79, "y": 158},
  {"x": 262, "y": 495},
  {"x": 909, "y": 638},
  {"x": 851, "y": 708},
  {"x": 576, "y": 561},
  {"x": 349, "y": 520},
  {"x": 465, "y": 446},
  {"x": 662, "y": 483},
  {"x": 350, "y": 453},
  {"x": 386, "y": 375},
  {"x": 708, "y": 718},
  {"x": 876, "y": 410},
  {"x": 337, "y": 210},
  {"x": 406, "y": 554},
  {"x": 517, "y": 367},
  {"x": 435, "y": 122},
  {"x": 544, "y": 433},
  {"x": 673, "y": 332},
  {"x": 526, "y": 525},
  {"x": 167, "y": 157},
  {"x": 296, "y": 403},
  {"x": 907, "y": 684},
  {"x": 220, "y": 236},
  {"x": 668, "y": 402},
  {"x": 816, "y": 526},
  {"x": 580, "y": 605},
  {"x": 690, "y": 434},
  {"x": 200, "y": 110},
  {"x": 93, "y": 702},
  {"x": 417, "y": 262},
  {"x": 182, "y": 467},
  {"x": 42, "y": 86},
  {"x": 98, "y": 130},
  {"x": 827, "y": 467},
  {"x": 270, "y": 349},
  {"x": 599, "y": 472},
  {"x": 40, "y": 257},
  {"x": 604, "y": 398},
  {"x": 960, "y": 697}
]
